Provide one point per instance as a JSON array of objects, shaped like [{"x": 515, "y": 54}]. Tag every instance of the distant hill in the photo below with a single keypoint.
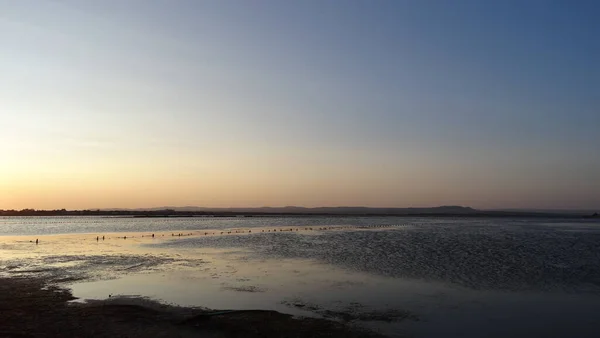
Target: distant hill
[
  {"x": 191, "y": 211},
  {"x": 455, "y": 210},
  {"x": 549, "y": 211}
]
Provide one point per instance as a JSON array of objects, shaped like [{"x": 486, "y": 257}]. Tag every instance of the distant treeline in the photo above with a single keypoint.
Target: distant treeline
[
  {"x": 98, "y": 212},
  {"x": 57, "y": 212},
  {"x": 265, "y": 212}
]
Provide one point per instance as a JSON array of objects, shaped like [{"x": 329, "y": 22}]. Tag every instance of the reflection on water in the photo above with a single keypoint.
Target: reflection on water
[
  {"x": 302, "y": 287},
  {"x": 423, "y": 277}
]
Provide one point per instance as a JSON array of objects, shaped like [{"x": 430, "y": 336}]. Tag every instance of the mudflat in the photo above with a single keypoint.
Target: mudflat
[{"x": 36, "y": 307}]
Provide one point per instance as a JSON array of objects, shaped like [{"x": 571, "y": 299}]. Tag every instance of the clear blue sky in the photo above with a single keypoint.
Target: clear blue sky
[{"x": 130, "y": 103}]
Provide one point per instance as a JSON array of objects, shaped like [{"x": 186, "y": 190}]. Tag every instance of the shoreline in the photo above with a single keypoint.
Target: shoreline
[
  {"x": 493, "y": 215},
  {"x": 39, "y": 307},
  {"x": 306, "y": 276},
  {"x": 36, "y": 284}
]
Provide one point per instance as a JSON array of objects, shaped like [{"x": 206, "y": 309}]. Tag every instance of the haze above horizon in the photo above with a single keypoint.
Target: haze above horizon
[{"x": 128, "y": 104}]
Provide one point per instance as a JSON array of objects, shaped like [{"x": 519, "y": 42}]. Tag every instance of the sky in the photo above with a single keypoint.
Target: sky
[{"x": 147, "y": 103}]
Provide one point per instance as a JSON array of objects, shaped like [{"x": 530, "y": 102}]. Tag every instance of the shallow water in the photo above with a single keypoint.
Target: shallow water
[
  {"x": 421, "y": 277},
  {"x": 72, "y": 224},
  {"x": 476, "y": 255}
]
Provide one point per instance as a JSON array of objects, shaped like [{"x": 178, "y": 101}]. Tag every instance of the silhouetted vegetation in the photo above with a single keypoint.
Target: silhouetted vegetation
[{"x": 443, "y": 211}]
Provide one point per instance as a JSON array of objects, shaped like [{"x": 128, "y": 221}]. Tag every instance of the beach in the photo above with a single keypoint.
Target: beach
[
  {"x": 360, "y": 278},
  {"x": 37, "y": 300},
  {"x": 36, "y": 307}
]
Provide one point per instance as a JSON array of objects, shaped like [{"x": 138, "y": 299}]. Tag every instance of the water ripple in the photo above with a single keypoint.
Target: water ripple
[{"x": 493, "y": 254}]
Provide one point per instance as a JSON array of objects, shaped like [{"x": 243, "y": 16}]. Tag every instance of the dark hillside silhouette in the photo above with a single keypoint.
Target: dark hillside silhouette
[{"x": 442, "y": 211}]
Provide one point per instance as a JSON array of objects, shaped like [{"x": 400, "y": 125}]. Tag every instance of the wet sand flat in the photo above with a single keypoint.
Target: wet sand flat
[
  {"x": 36, "y": 279},
  {"x": 432, "y": 278},
  {"x": 34, "y": 307}
]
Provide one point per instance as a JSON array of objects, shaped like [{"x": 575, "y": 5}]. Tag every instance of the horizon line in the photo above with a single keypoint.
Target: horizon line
[{"x": 167, "y": 207}]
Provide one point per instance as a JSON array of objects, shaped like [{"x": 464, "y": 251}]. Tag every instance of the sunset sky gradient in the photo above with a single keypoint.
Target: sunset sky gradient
[{"x": 144, "y": 103}]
